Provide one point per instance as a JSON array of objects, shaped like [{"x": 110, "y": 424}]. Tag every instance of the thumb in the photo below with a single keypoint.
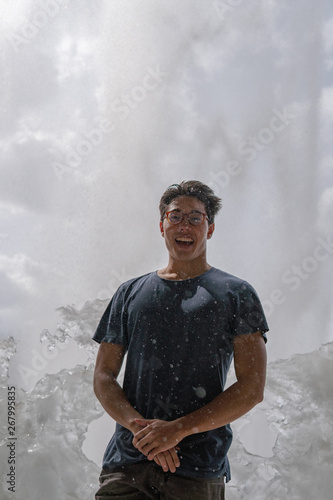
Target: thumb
[{"x": 142, "y": 421}]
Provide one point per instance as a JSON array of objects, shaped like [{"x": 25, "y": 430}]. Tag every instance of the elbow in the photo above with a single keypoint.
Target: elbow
[
  {"x": 258, "y": 389},
  {"x": 96, "y": 385},
  {"x": 253, "y": 392},
  {"x": 255, "y": 395},
  {"x": 254, "y": 399},
  {"x": 258, "y": 395}
]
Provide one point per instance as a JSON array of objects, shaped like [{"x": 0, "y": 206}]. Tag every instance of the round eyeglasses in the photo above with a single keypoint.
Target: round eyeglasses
[{"x": 176, "y": 217}]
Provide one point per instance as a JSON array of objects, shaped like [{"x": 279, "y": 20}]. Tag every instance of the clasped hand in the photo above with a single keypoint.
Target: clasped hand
[{"x": 158, "y": 438}]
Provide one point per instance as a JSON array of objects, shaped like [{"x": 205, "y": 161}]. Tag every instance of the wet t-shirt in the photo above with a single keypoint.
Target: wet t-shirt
[{"x": 179, "y": 341}]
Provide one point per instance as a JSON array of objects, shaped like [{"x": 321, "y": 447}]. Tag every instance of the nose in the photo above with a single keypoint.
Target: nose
[{"x": 185, "y": 222}]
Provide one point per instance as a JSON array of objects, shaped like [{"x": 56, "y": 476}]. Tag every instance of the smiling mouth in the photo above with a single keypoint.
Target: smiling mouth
[{"x": 184, "y": 241}]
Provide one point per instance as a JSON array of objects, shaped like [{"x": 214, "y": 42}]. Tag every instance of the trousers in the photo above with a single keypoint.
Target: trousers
[{"x": 147, "y": 481}]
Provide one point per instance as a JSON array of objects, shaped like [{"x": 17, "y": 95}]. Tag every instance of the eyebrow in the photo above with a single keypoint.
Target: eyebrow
[{"x": 192, "y": 212}]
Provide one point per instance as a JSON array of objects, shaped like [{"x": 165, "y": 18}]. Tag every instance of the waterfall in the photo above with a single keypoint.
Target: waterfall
[{"x": 105, "y": 105}]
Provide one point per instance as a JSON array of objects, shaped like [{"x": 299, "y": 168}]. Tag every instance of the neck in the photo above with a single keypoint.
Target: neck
[{"x": 179, "y": 270}]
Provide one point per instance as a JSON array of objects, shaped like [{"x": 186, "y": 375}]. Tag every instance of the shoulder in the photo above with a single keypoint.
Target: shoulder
[
  {"x": 123, "y": 294},
  {"x": 233, "y": 287},
  {"x": 134, "y": 284},
  {"x": 229, "y": 281},
  {"x": 246, "y": 308}
]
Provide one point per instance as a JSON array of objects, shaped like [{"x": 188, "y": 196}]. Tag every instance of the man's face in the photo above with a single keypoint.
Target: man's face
[{"x": 184, "y": 241}]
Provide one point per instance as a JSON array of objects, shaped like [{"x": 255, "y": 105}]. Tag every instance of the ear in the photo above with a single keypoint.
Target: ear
[
  {"x": 161, "y": 228},
  {"x": 210, "y": 231}
]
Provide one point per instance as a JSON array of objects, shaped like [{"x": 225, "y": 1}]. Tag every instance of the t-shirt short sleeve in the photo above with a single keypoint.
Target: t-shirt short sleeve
[
  {"x": 249, "y": 316},
  {"x": 112, "y": 326}
]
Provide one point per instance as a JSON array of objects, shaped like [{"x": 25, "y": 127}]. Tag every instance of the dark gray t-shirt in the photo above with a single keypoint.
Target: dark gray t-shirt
[{"x": 179, "y": 341}]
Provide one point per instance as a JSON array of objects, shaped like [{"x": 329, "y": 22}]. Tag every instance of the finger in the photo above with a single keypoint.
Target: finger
[
  {"x": 144, "y": 444},
  {"x": 174, "y": 457},
  {"x": 152, "y": 449},
  {"x": 138, "y": 436},
  {"x": 142, "y": 421},
  {"x": 148, "y": 448},
  {"x": 142, "y": 432},
  {"x": 162, "y": 461},
  {"x": 147, "y": 443},
  {"x": 169, "y": 461}
]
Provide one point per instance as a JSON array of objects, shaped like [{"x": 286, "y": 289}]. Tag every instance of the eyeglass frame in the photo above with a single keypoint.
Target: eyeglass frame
[{"x": 166, "y": 216}]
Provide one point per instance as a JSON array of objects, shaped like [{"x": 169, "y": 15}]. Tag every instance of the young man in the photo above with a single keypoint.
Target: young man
[{"x": 180, "y": 327}]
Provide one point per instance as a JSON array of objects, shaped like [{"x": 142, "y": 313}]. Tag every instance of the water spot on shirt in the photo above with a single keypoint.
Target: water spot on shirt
[
  {"x": 155, "y": 363},
  {"x": 200, "y": 392},
  {"x": 195, "y": 300}
]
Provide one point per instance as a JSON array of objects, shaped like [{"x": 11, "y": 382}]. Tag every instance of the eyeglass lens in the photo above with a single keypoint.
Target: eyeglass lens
[{"x": 194, "y": 218}]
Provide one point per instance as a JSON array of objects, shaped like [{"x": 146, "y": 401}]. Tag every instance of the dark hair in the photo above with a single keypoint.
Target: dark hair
[{"x": 192, "y": 188}]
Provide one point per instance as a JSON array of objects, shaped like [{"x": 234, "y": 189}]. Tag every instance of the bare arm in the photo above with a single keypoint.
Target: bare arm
[
  {"x": 108, "y": 391},
  {"x": 114, "y": 401},
  {"x": 238, "y": 399}
]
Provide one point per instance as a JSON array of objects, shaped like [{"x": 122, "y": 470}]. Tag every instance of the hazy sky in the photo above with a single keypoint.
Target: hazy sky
[{"x": 106, "y": 103}]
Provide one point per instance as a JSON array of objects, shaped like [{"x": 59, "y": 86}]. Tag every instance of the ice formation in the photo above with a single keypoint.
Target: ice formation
[{"x": 53, "y": 419}]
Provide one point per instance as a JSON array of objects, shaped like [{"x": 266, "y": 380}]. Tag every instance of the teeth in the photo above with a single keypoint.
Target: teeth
[{"x": 186, "y": 240}]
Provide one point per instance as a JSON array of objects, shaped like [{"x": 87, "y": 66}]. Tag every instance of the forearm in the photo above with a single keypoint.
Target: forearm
[
  {"x": 231, "y": 404},
  {"x": 159, "y": 435},
  {"x": 114, "y": 401}
]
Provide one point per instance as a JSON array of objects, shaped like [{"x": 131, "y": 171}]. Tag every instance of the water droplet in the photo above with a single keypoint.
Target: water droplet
[{"x": 200, "y": 392}]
